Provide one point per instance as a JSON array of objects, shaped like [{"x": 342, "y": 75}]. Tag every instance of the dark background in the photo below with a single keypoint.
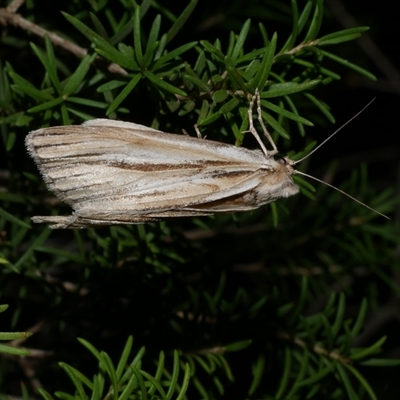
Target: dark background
[{"x": 372, "y": 138}]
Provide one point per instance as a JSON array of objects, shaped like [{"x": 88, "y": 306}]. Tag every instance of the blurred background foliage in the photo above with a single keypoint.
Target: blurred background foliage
[{"x": 296, "y": 300}]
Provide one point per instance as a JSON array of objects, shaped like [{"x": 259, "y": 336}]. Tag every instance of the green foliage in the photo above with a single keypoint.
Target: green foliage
[
  {"x": 127, "y": 380},
  {"x": 219, "y": 83},
  {"x": 12, "y": 336},
  {"x": 267, "y": 304}
]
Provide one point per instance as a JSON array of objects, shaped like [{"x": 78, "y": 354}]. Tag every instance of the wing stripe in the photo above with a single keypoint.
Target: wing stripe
[{"x": 101, "y": 169}]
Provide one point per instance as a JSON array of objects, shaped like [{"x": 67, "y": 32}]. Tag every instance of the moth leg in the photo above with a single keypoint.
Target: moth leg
[
  {"x": 82, "y": 222},
  {"x": 251, "y": 129},
  {"x": 196, "y": 128},
  {"x": 260, "y": 119},
  {"x": 198, "y": 133},
  {"x": 76, "y": 222},
  {"x": 58, "y": 221}
]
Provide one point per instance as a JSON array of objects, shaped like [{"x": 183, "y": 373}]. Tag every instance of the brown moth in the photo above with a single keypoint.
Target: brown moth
[{"x": 114, "y": 172}]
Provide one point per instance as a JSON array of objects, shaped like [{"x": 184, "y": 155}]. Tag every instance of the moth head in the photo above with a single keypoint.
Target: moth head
[
  {"x": 289, "y": 188},
  {"x": 293, "y": 171},
  {"x": 284, "y": 166},
  {"x": 284, "y": 171},
  {"x": 286, "y": 162}
]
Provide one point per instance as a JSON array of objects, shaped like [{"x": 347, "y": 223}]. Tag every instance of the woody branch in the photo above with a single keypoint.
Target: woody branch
[{"x": 9, "y": 16}]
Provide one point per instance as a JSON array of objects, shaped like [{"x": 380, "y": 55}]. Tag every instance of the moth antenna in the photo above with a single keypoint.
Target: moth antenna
[
  {"x": 341, "y": 191},
  {"x": 253, "y": 131},
  {"x": 334, "y": 133}
]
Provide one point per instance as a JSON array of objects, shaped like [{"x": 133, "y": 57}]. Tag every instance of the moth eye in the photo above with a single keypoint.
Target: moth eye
[{"x": 281, "y": 160}]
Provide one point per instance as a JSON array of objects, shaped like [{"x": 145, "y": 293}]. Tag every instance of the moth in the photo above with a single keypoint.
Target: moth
[{"x": 113, "y": 172}]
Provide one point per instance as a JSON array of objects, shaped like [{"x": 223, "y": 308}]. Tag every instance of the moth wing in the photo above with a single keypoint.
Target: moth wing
[{"x": 106, "y": 167}]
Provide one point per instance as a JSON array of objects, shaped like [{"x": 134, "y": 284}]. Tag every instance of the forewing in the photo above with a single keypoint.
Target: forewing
[{"x": 112, "y": 166}]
